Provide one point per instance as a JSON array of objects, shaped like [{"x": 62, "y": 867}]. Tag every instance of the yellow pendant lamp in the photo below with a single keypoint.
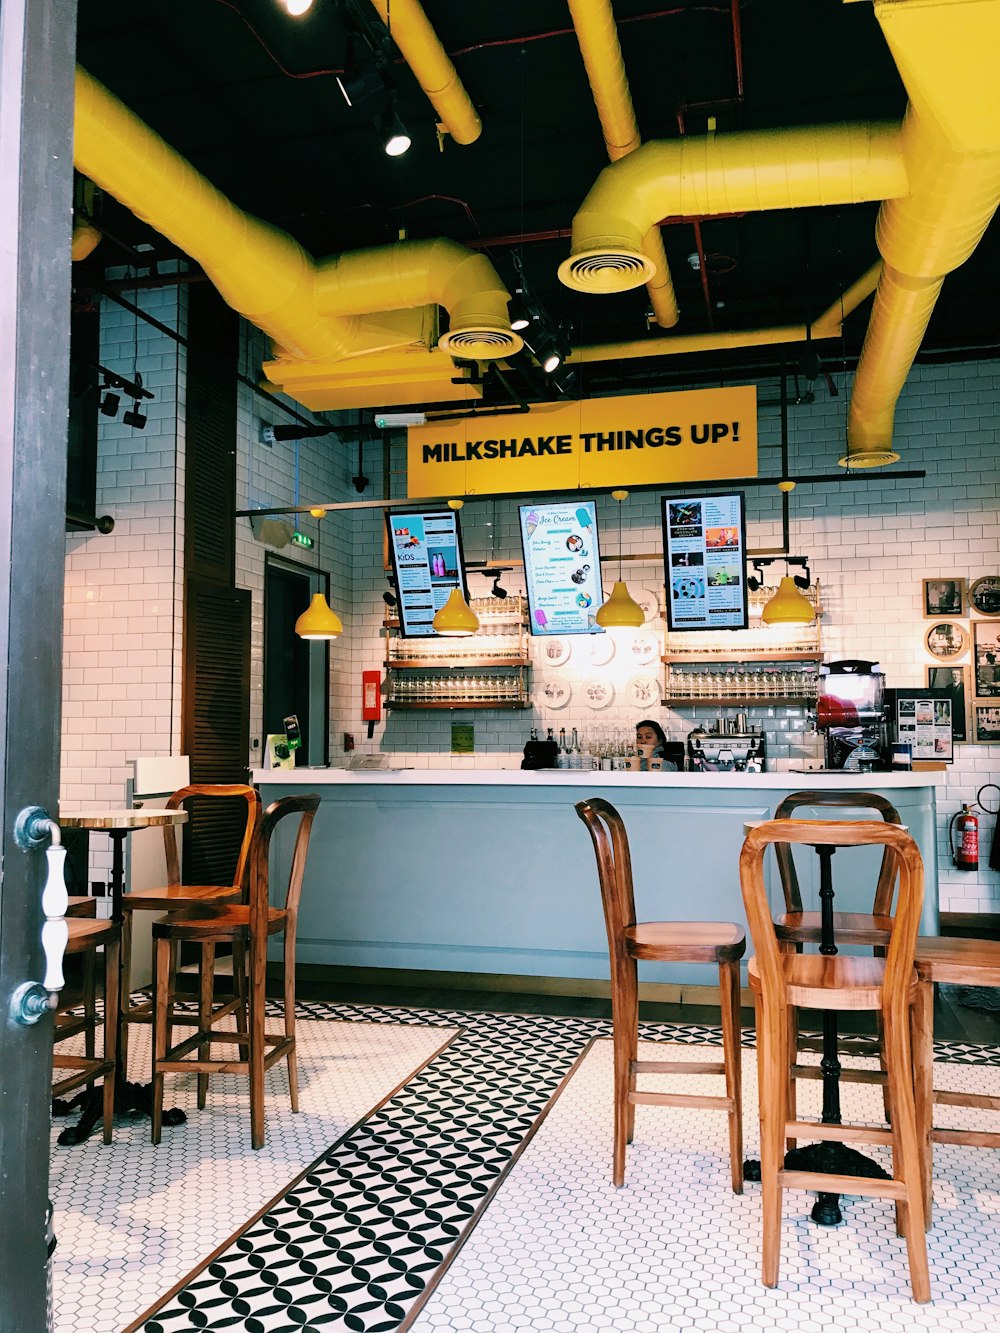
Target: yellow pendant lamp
[
  {"x": 620, "y": 611},
  {"x": 788, "y": 606},
  {"x": 456, "y": 619},
  {"x": 318, "y": 621}
]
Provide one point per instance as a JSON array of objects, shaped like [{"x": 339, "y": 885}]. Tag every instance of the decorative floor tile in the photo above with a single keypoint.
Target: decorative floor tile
[
  {"x": 443, "y": 1209},
  {"x": 131, "y": 1219}
]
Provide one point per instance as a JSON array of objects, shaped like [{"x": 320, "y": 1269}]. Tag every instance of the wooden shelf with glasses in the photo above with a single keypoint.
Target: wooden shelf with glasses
[
  {"x": 762, "y": 665},
  {"x": 499, "y": 650},
  {"x": 460, "y": 704}
]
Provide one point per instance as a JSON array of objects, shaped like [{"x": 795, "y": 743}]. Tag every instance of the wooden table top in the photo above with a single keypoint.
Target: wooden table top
[{"x": 121, "y": 820}]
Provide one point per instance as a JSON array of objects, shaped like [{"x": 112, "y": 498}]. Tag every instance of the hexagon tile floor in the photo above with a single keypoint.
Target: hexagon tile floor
[{"x": 477, "y": 1197}]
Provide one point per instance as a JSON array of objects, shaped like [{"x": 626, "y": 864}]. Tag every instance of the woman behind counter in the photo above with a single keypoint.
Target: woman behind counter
[{"x": 648, "y": 732}]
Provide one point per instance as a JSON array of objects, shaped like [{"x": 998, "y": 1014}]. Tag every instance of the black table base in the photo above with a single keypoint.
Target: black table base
[
  {"x": 132, "y": 1100},
  {"x": 833, "y": 1159}
]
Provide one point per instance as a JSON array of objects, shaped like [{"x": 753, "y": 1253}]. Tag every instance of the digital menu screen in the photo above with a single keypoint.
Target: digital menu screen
[
  {"x": 562, "y": 567},
  {"x": 704, "y": 553},
  {"x": 426, "y": 551}
]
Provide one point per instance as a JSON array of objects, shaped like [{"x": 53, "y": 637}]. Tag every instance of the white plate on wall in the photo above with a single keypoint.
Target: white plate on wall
[
  {"x": 649, "y": 600},
  {"x": 600, "y": 649},
  {"x": 554, "y": 652},
  {"x": 643, "y": 691},
  {"x": 640, "y": 648},
  {"x": 597, "y": 692},
  {"x": 556, "y": 694}
]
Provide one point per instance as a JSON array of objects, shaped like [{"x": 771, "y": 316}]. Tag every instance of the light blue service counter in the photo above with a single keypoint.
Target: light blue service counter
[{"x": 492, "y": 871}]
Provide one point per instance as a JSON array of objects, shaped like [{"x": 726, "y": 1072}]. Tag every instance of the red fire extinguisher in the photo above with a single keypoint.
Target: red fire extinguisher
[{"x": 966, "y": 854}]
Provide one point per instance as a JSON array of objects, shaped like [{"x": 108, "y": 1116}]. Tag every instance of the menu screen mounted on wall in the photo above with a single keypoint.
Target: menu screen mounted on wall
[
  {"x": 704, "y": 553},
  {"x": 426, "y": 551},
  {"x": 562, "y": 567}
]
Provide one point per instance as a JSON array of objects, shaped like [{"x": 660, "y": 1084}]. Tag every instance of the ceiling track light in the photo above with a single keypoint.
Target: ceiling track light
[
  {"x": 395, "y": 139},
  {"x": 787, "y": 606}
]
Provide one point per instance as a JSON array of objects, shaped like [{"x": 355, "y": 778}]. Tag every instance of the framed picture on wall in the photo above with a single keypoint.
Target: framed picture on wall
[
  {"x": 984, "y": 595},
  {"x": 944, "y": 597},
  {"x": 956, "y": 684},
  {"x": 986, "y": 723},
  {"x": 986, "y": 640},
  {"x": 947, "y": 640}
]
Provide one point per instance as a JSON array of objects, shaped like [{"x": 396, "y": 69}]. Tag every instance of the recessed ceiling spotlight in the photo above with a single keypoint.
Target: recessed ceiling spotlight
[{"x": 296, "y": 8}]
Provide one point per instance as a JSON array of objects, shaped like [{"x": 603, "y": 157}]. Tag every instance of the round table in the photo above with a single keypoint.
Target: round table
[{"x": 118, "y": 824}]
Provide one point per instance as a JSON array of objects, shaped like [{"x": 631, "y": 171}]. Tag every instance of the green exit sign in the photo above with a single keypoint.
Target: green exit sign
[{"x": 300, "y": 539}]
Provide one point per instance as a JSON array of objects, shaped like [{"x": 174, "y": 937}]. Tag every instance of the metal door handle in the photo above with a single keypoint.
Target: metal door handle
[{"x": 34, "y": 828}]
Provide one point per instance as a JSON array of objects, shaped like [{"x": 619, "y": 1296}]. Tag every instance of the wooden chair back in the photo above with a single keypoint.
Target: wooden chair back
[
  {"x": 178, "y": 798},
  {"x": 614, "y": 867},
  {"x": 306, "y": 806},
  {"x": 906, "y": 863},
  {"x": 844, "y": 800}
]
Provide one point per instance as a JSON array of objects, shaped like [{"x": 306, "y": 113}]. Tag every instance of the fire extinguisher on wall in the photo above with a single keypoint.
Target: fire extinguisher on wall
[{"x": 966, "y": 854}]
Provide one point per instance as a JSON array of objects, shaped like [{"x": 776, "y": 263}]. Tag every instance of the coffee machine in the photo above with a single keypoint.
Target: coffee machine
[
  {"x": 730, "y": 747},
  {"x": 850, "y": 711}
]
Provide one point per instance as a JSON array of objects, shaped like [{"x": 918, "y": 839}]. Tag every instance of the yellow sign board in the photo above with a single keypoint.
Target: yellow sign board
[{"x": 649, "y": 439}]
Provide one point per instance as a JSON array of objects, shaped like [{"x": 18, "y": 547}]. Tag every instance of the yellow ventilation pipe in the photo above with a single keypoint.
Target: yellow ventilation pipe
[
  {"x": 436, "y": 272},
  {"x": 266, "y": 275},
  {"x": 597, "y": 34},
  {"x": 724, "y": 173},
  {"x": 86, "y": 239},
  {"x": 259, "y": 271},
  {"x": 946, "y": 53},
  {"x": 431, "y": 64}
]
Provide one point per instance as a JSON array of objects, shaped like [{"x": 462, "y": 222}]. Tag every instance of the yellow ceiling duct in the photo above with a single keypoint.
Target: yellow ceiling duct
[
  {"x": 723, "y": 173},
  {"x": 86, "y": 239},
  {"x": 597, "y": 34},
  {"x": 828, "y": 325},
  {"x": 437, "y": 272},
  {"x": 418, "y": 42},
  {"x": 945, "y": 51},
  {"x": 938, "y": 177},
  {"x": 268, "y": 277}
]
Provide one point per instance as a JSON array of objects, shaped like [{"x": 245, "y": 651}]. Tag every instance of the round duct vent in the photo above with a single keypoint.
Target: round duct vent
[
  {"x": 482, "y": 344},
  {"x": 869, "y": 458},
  {"x": 606, "y": 270}
]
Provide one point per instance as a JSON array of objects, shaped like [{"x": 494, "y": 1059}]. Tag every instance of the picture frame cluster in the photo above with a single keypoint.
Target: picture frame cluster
[{"x": 967, "y": 655}]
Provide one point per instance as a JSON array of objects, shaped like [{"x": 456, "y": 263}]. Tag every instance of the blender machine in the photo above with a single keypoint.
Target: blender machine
[{"x": 850, "y": 711}]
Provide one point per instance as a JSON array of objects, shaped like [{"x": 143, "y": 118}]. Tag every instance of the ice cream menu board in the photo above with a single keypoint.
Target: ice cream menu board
[
  {"x": 704, "y": 551},
  {"x": 426, "y": 550},
  {"x": 562, "y": 567}
]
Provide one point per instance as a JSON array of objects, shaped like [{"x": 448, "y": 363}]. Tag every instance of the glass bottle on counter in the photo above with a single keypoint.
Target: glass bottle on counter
[
  {"x": 575, "y": 757},
  {"x": 563, "y": 759}
]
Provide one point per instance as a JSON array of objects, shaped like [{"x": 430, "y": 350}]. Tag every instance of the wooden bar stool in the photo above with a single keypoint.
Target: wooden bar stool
[
  {"x": 781, "y": 980},
  {"x": 86, "y": 936},
  {"x": 175, "y": 894},
  {"x": 251, "y": 925},
  {"x": 796, "y": 928},
  {"x": 958, "y": 962},
  {"x": 722, "y": 943}
]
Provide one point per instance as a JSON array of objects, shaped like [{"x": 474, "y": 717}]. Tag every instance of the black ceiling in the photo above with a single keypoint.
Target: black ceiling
[{"x": 248, "y": 95}]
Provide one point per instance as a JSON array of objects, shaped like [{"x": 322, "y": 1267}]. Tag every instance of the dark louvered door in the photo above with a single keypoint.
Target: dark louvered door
[
  {"x": 210, "y": 430},
  {"x": 216, "y": 691},
  {"x": 216, "y": 723}
]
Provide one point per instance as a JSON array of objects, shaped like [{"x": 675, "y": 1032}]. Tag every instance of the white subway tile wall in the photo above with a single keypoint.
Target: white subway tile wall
[{"x": 870, "y": 543}]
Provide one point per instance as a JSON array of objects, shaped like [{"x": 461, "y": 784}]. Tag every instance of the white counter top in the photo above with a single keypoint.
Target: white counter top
[{"x": 574, "y": 778}]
